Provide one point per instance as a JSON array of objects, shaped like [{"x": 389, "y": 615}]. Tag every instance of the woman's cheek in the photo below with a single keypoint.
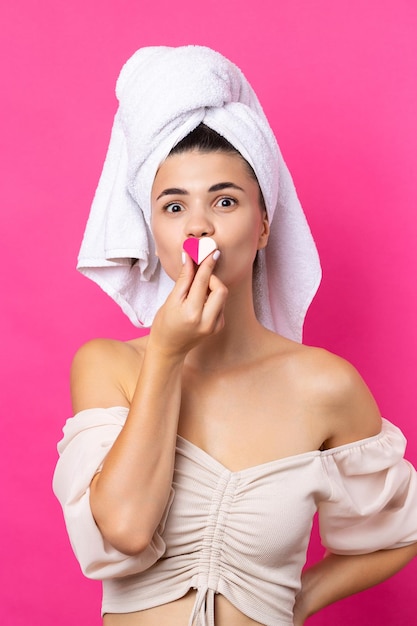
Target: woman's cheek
[{"x": 170, "y": 258}]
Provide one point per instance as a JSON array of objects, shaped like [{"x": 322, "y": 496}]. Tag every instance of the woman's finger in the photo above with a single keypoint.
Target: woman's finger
[
  {"x": 200, "y": 286},
  {"x": 212, "y": 315},
  {"x": 185, "y": 278}
]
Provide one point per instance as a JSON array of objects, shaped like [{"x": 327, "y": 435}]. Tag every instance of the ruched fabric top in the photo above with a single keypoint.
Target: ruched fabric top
[{"x": 240, "y": 534}]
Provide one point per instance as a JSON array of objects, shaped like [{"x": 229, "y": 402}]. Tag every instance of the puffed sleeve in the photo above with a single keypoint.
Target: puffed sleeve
[
  {"x": 88, "y": 436},
  {"x": 373, "y": 495}
]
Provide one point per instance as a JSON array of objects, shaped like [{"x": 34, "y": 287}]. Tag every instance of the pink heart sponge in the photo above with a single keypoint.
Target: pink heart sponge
[{"x": 199, "y": 249}]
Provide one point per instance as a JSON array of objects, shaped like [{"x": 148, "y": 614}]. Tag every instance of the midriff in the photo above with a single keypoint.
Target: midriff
[{"x": 178, "y": 613}]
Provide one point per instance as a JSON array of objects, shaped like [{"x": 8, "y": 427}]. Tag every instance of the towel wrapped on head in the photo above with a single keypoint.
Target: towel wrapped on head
[{"x": 164, "y": 93}]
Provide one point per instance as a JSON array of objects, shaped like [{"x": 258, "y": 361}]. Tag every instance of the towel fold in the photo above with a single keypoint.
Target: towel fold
[{"x": 164, "y": 93}]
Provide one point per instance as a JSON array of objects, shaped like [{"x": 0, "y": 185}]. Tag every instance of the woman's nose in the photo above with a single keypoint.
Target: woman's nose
[{"x": 199, "y": 225}]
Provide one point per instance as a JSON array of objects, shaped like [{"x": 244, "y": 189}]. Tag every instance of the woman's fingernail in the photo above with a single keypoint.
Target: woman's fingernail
[
  {"x": 216, "y": 254},
  {"x": 183, "y": 257}
]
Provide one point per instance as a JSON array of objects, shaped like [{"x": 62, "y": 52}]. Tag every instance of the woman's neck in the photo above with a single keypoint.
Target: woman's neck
[{"x": 239, "y": 341}]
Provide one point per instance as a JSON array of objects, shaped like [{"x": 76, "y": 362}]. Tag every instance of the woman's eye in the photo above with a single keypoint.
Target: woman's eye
[
  {"x": 226, "y": 202},
  {"x": 173, "y": 208}
]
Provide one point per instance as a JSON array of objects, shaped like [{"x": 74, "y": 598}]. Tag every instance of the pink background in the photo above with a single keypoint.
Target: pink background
[{"x": 338, "y": 82}]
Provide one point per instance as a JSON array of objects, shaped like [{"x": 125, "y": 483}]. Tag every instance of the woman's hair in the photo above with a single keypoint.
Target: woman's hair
[{"x": 205, "y": 139}]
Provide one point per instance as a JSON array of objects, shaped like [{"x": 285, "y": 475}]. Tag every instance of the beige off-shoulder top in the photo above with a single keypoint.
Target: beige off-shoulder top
[{"x": 241, "y": 534}]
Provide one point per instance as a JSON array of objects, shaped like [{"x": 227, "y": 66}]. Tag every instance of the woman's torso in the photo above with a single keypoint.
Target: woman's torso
[{"x": 242, "y": 416}]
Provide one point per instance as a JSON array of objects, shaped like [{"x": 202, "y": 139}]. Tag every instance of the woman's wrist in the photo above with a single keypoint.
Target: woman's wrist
[
  {"x": 302, "y": 610},
  {"x": 167, "y": 352},
  {"x": 305, "y": 606}
]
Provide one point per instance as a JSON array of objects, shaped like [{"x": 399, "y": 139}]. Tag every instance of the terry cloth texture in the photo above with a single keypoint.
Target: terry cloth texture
[{"x": 164, "y": 93}]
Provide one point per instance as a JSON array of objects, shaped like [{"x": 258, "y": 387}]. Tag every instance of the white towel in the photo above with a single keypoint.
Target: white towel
[{"x": 164, "y": 93}]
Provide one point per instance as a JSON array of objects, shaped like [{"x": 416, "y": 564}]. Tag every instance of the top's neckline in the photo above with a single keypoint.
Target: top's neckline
[
  {"x": 293, "y": 459},
  {"x": 286, "y": 460}
]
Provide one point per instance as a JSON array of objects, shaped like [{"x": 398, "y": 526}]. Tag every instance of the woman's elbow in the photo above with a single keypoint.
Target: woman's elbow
[{"x": 126, "y": 538}]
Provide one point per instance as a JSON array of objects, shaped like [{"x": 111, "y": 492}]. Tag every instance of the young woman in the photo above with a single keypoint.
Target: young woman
[{"x": 199, "y": 454}]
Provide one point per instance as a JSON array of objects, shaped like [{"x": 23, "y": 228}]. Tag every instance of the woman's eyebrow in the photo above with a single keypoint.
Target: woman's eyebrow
[
  {"x": 221, "y": 186},
  {"x": 176, "y": 191},
  {"x": 173, "y": 191}
]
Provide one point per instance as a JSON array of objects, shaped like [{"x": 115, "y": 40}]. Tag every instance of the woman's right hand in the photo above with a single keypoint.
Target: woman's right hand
[{"x": 193, "y": 310}]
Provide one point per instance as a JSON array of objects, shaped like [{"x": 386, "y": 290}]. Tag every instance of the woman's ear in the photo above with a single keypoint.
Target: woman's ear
[{"x": 264, "y": 232}]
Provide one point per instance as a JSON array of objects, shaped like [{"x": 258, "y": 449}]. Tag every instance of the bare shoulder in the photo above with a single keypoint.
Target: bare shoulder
[
  {"x": 328, "y": 390},
  {"x": 103, "y": 372},
  {"x": 338, "y": 392}
]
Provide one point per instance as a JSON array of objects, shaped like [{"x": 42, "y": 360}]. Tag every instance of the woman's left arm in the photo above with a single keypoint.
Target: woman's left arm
[
  {"x": 354, "y": 415},
  {"x": 338, "y": 576}
]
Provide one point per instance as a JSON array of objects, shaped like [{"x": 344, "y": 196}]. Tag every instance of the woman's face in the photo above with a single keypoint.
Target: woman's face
[{"x": 197, "y": 194}]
